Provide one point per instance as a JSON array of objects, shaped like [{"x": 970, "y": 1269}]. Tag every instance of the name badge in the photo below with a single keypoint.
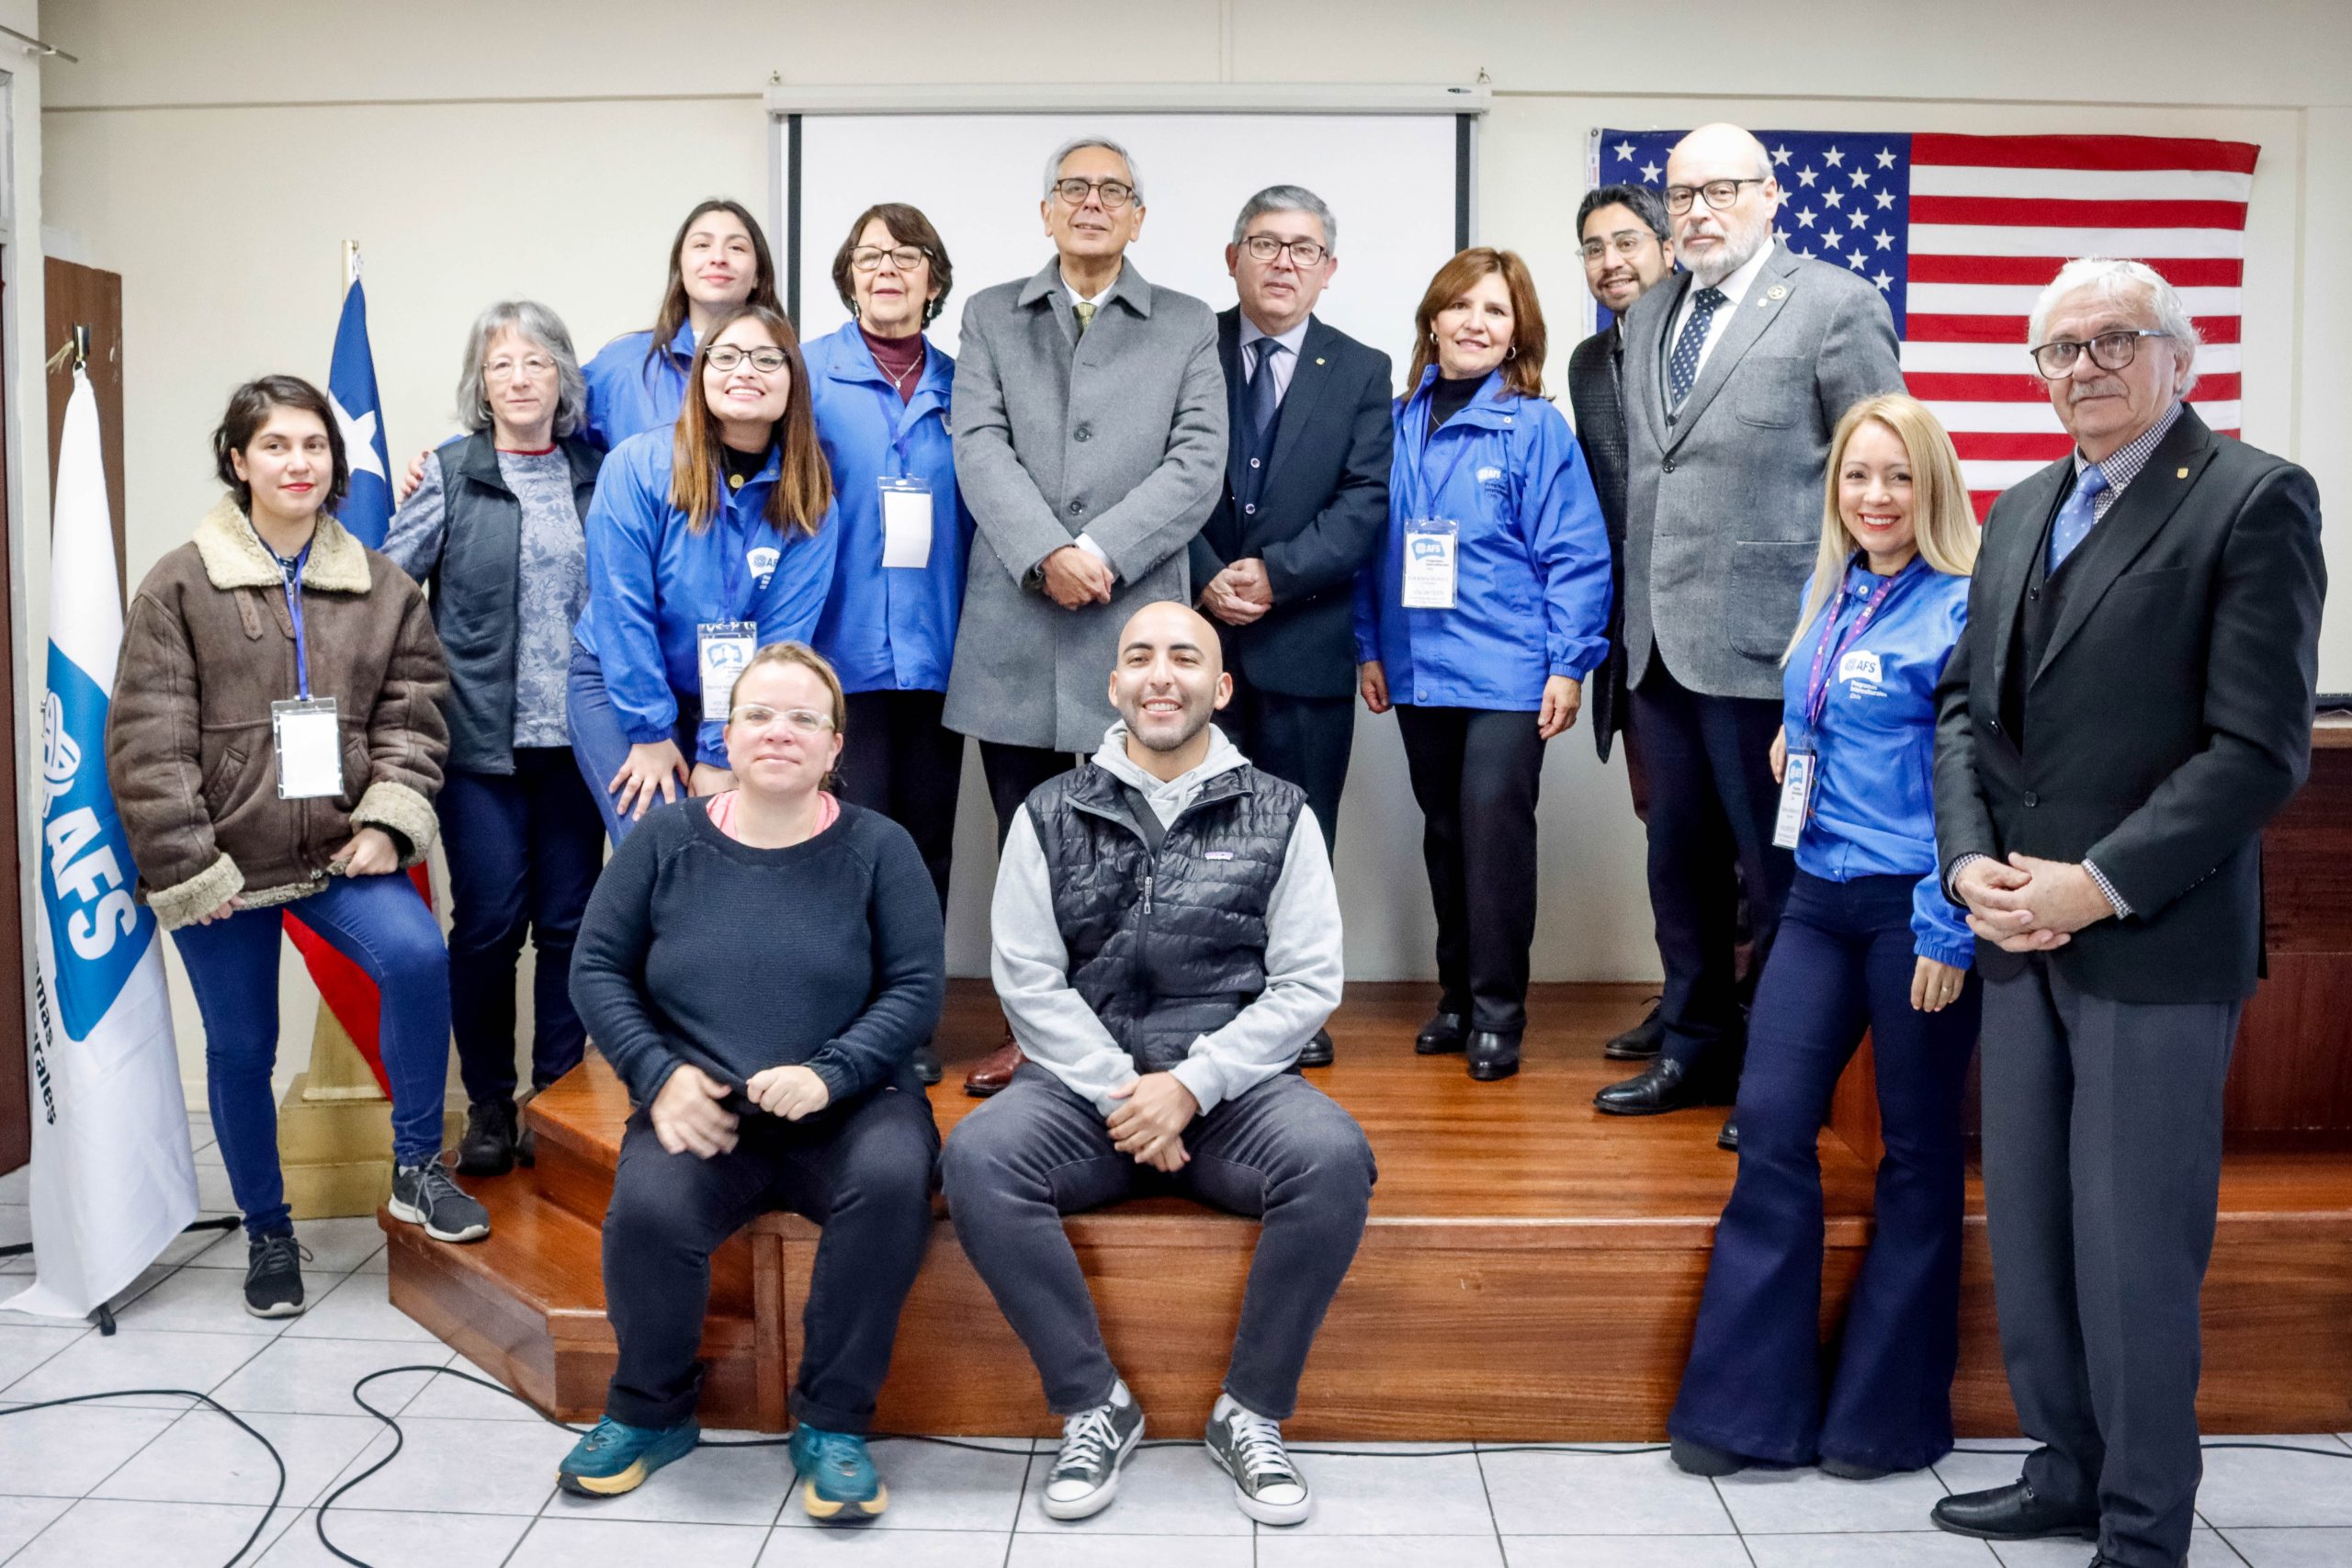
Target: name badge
[
  {"x": 1429, "y": 563},
  {"x": 906, "y": 523},
  {"x": 1796, "y": 799},
  {"x": 722, "y": 650},
  {"x": 310, "y": 748}
]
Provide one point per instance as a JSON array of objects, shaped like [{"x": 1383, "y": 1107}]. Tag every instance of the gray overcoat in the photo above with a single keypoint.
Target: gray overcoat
[{"x": 1119, "y": 435}]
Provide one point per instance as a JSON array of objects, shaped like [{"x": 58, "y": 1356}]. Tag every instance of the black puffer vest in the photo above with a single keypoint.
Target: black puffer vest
[{"x": 1165, "y": 944}]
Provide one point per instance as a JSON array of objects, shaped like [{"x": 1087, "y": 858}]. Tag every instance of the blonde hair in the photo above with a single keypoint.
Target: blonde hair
[{"x": 1944, "y": 524}]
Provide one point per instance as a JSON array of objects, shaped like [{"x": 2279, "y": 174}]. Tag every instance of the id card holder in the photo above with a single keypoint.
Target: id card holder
[
  {"x": 309, "y": 738},
  {"x": 1796, "y": 799},
  {"x": 721, "y": 650},
  {"x": 906, "y": 523},
  {"x": 1429, "y": 563}
]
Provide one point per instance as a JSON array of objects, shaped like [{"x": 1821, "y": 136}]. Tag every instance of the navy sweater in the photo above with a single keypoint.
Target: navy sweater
[{"x": 695, "y": 948}]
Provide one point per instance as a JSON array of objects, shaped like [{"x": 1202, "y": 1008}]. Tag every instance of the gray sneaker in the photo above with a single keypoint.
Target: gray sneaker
[
  {"x": 1095, "y": 1443},
  {"x": 1249, "y": 1449},
  {"x": 428, "y": 1195}
]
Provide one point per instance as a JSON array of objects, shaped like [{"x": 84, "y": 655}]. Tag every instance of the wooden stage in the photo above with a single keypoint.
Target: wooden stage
[{"x": 1531, "y": 1270}]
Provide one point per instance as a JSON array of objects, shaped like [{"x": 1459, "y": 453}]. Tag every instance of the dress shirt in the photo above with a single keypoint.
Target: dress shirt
[
  {"x": 1086, "y": 541},
  {"x": 1735, "y": 289},
  {"x": 1285, "y": 364}
]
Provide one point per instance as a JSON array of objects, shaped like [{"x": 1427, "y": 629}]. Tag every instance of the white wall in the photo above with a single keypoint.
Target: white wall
[{"x": 534, "y": 148}]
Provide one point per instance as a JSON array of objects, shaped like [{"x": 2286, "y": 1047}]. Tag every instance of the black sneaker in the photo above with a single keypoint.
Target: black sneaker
[
  {"x": 488, "y": 1148},
  {"x": 928, "y": 1069},
  {"x": 274, "y": 1275},
  {"x": 427, "y": 1195}
]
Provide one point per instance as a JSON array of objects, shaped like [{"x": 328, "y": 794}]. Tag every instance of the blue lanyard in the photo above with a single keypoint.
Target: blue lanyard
[
  {"x": 1816, "y": 685},
  {"x": 893, "y": 412},
  {"x": 292, "y": 575},
  {"x": 1426, "y": 493}
]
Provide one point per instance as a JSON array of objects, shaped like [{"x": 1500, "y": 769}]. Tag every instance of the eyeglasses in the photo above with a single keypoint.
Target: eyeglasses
[
  {"x": 1303, "y": 253},
  {"x": 507, "y": 369},
  {"x": 1114, "y": 194},
  {"x": 727, "y": 357},
  {"x": 1628, "y": 245},
  {"x": 2110, "y": 351},
  {"x": 1720, "y": 194},
  {"x": 906, "y": 258},
  {"x": 759, "y": 716}
]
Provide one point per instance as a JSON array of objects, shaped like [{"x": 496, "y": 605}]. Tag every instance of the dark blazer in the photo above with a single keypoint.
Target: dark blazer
[
  {"x": 1593, "y": 382},
  {"x": 2168, "y": 716},
  {"x": 1323, "y": 514}
]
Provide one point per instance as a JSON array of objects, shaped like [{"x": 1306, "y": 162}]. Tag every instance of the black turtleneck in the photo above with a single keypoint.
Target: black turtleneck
[
  {"x": 741, "y": 468},
  {"x": 1450, "y": 397}
]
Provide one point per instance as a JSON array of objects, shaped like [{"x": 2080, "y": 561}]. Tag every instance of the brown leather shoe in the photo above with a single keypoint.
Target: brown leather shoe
[{"x": 993, "y": 1071}]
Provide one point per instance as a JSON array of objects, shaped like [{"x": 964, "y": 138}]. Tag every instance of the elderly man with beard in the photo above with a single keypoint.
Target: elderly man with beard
[{"x": 1167, "y": 938}]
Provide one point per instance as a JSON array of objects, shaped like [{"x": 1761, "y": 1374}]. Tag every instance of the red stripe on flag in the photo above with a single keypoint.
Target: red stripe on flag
[
  {"x": 345, "y": 990},
  {"x": 2058, "y": 213},
  {"x": 1921, "y": 327},
  {"x": 2084, "y": 151},
  {"x": 2181, "y": 272},
  {"x": 2025, "y": 386},
  {"x": 1982, "y": 500},
  {"x": 2011, "y": 447}
]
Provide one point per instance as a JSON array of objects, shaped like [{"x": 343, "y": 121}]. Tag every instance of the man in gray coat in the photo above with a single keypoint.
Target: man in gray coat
[
  {"x": 1089, "y": 420},
  {"x": 1736, "y": 373}
]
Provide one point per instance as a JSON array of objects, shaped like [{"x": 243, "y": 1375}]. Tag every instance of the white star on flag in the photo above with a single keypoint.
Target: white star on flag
[
  {"x": 1883, "y": 282},
  {"x": 1805, "y": 218},
  {"x": 1649, "y": 173},
  {"x": 359, "y": 440},
  {"x": 1885, "y": 158},
  {"x": 1861, "y": 179},
  {"x": 1857, "y": 261},
  {"x": 1779, "y": 155},
  {"x": 1806, "y": 176},
  {"x": 1885, "y": 199},
  {"x": 1829, "y": 195},
  {"x": 1886, "y": 240},
  {"x": 1624, "y": 151},
  {"x": 1833, "y": 157},
  {"x": 1859, "y": 219}
]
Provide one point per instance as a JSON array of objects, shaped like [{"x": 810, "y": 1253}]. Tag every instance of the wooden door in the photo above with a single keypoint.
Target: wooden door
[{"x": 83, "y": 295}]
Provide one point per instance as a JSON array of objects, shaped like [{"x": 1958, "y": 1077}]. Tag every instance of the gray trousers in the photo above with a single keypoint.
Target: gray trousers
[
  {"x": 1284, "y": 1154},
  {"x": 2102, "y": 1175}
]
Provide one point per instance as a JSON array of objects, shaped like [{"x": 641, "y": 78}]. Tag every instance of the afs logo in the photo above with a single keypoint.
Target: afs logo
[{"x": 85, "y": 870}]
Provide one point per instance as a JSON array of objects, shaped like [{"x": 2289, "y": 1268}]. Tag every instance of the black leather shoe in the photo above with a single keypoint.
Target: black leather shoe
[
  {"x": 1493, "y": 1056},
  {"x": 1664, "y": 1086},
  {"x": 927, "y": 1066},
  {"x": 1317, "y": 1052},
  {"x": 2015, "y": 1512},
  {"x": 488, "y": 1148},
  {"x": 1728, "y": 1141},
  {"x": 1641, "y": 1043},
  {"x": 1443, "y": 1034},
  {"x": 1701, "y": 1459}
]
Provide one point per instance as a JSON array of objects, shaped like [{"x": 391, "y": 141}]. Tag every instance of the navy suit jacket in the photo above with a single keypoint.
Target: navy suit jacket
[{"x": 1322, "y": 515}]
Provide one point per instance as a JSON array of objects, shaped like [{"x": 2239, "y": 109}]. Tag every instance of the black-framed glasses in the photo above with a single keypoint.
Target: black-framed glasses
[
  {"x": 906, "y": 258},
  {"x": 727, "y": 357},
  {"x": 1303, "y": 253},
  {"x": 1113, "y": 194},
  {"x": 2110, "y": 351},
  {"x": 1720, "y": 194}
]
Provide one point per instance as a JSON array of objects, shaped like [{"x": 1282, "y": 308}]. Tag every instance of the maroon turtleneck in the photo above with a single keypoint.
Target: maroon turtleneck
[{"x": 900, "y": 359}]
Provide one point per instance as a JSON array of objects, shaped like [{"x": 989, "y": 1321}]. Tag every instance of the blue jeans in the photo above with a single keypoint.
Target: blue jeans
[
  {"x": 1755, "y": 1384},
  {"x": 524, "y": 849},
  {"x": 599, "y": 744},
  {"x": 378, "y": 923}
]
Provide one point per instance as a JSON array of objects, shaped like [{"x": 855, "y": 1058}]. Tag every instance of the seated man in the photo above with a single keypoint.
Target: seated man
[{"x": 1167, "y": 938}]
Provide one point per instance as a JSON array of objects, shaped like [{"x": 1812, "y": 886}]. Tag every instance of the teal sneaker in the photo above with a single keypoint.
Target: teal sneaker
[
  {"x": 838, "y": 1483},
  {"x": 614, "y": 1458}
]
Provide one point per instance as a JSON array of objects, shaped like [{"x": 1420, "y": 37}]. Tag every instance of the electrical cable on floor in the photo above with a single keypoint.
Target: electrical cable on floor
[{"x": 277, "y": 1496}]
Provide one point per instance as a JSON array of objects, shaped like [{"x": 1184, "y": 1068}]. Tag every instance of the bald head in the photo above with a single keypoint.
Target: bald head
[
  {"x": 1720, "y": 161},
  {"x": 1168, "y": 683}
]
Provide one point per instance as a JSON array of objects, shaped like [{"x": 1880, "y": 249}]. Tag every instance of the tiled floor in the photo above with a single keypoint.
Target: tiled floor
[{"x": 144, "y": 1480}]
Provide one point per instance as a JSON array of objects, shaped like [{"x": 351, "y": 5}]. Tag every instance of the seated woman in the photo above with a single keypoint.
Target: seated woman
[
  {"x": 275, "y": 744},
  {"x": 759, "y": 966},
  {"x": 1867, "y": 940}
]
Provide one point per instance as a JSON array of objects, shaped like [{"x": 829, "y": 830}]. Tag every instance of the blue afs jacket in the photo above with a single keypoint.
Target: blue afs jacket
[
  {"x": 1874, "y": 811},
  {"x": 652, "y": 582},
  {"x": 628, "y": 394},
  {"x": 1532, "y": 585},
  {"x": 887, "y": 628}
]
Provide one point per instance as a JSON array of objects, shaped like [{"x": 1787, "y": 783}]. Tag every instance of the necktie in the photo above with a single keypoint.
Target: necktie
[
  {"x": 1682, "y": 368},
  {"x": 2074, "y": 518},
  {"x": 1084, "y": 312},
  {"x": 1265, "y": 398}
]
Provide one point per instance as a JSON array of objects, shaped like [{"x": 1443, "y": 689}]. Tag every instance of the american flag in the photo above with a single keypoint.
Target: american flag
[{"x": 1961, "y": 232}]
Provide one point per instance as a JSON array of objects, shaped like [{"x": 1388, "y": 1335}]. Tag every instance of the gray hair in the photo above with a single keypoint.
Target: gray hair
[
  {"x": 1054, "y": 164},
  {"x": 2117, "y": 282},
  {"x": 539, "y": 326},
  {"x": 1289, "y": 198}
]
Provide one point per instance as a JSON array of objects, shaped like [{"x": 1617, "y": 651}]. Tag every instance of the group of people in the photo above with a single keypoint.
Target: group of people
[{"x": 731, "y": 602}]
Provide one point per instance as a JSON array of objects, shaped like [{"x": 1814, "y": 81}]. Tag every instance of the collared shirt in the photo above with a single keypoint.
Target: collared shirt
[
  {"x": 1096, "y": 298},
  {"x": 2124, "y": 464},
  {"x": 1285, "y": 364},
  {"x": 1734, "y": 288}
]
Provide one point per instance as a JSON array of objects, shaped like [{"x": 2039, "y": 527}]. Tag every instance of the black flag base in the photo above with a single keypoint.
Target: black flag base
[{"x": 104, "y": 1314}]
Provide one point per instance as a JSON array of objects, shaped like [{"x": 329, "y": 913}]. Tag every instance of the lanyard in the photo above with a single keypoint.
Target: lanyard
[
  {"x": 292, "y": 572},
  {"x": 1428, "y": 493},
  {"x": 892, "y": 411},
  {"x": 1816, "y": 685}
]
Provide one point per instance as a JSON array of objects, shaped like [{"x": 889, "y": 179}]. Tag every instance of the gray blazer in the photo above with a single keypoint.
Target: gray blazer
[
  {"x": 1722, "y": 504},
  {"x": 1119, "y": 435}
]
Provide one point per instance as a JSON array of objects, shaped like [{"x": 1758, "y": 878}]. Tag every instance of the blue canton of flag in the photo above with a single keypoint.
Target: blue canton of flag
[
  {"x": 1845, "y": 196},
  {"x": 367, "y": 511}
]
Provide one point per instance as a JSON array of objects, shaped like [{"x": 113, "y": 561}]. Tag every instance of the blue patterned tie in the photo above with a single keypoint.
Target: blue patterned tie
[
  {"x": 1265, "y": 396},
  {"x": 2074, "y": 518},
  {"x": 1682, "y": 368}
]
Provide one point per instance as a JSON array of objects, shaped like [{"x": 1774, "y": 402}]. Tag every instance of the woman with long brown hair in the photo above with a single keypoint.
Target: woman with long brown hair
[{"x": 705, "y": 541}]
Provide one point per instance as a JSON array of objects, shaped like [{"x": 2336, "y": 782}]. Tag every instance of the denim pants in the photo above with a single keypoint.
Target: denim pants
[
  {"x": 379, "y": 923},
  {"x": 599, "y": 745},
  {"x": 1757, "y": 1382}
]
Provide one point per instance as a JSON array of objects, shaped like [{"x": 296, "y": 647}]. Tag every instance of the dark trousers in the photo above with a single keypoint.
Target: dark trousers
[
  {"x": 2102, "y": 1175},
  {"x": 1302, "y": 741},
  {"x": 1712, "y": 800},
  {"x": 1476, "y": 773},
  {"x": 1843, "y": 961},
  {"x": 863, "y": 1171},
  {"x": 523, "y": 850},
  {"x": 897, "y": 759},
  {"x": 1014, "y": 770},
  {"x": 1283, "y": 1153},
  {"x": 1637, "y": 773}
]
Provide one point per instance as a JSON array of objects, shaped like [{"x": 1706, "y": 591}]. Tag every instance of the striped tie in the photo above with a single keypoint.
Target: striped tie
[{"x": 1084, "y": 312}]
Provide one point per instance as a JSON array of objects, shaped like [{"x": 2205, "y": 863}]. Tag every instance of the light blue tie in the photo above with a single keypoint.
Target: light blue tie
[{"x": 2074, "y": 518}]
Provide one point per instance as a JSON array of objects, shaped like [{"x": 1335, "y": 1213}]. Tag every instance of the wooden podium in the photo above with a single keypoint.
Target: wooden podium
[{"x": 334, "y": 1131}]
